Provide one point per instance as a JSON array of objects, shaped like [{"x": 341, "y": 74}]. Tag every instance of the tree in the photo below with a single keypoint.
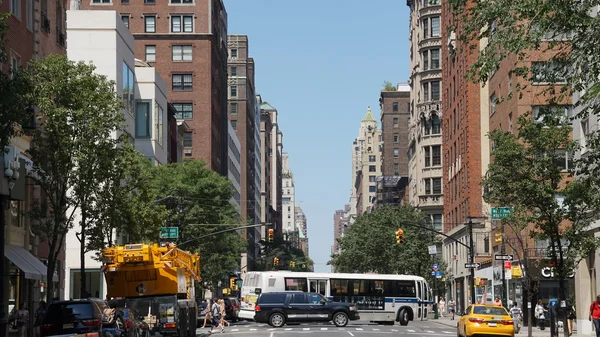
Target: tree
[
  {"x": 369, "y": 245},
  {"x": 388, "y": 86},
  {"x": 126, "y": 202},
  {"x": 286, "y": 253},
  {"x": 78, "y": 106},
  {"x": 14, "y": 86},
  {"x": 199, "y": 202},
  {"x": 527, "y": 174}
]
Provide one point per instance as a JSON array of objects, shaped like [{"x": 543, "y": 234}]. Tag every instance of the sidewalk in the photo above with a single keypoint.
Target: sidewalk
[{"x": 536, "y": 331}]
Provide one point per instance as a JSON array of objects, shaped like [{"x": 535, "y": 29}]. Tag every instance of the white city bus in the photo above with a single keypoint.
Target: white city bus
[{"x": 378, "y": 298}]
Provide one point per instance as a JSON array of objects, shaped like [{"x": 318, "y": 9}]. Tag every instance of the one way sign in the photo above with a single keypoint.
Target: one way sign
[
  {"x": 472, "y": 265},
  {"x": 503, "y": 257}
]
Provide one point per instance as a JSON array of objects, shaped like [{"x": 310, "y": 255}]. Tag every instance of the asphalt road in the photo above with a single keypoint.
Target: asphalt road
[{"x": 354, "y": 329}]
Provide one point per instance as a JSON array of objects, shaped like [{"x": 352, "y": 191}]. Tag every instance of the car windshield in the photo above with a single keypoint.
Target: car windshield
[
  {"x": 490, "y": 311},
  {"x": 69, "y": 312}
]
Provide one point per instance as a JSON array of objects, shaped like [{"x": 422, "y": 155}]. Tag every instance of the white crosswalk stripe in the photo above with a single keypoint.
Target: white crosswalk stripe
[
  {"x": 410, "y": 330},
  {"x": 234, "y": 330},
  {"x": 359, "y": 329},
  {"x": 305, "y": 329},
  {"x": 288, "y": 329},
  {"x": 323, "y": 328}
]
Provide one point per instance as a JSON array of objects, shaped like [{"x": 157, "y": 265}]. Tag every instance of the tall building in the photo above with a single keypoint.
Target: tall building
[
  {"x": 234, "y": 168},
  {"x": 245, "y": 122},
  {"x": 288, "y": 211},
  {"x": 425, "y": 128},
  {"x": 394, "y": 106},
  {"x": 35, "y": 29},
  {"x": 187, "y": 43},
  {"x": 275, "y": 152},
  {"x": 366, "y": 163},
  {"x": 465, "y": 150},
  {"x": 301, "y": 229},
  {"x": 266, "y": 127},
  {"x": 338, "y": 226}
]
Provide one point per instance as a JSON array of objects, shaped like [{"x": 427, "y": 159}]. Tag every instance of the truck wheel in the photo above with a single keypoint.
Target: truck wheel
[
  {"x": 277, "y": 320},
  {"x": 403, "y": 317},
  {"x": 340, "y": 319}
]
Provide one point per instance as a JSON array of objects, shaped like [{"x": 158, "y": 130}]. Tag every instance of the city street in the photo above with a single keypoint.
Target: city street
[{"x": 358, "y": 328}]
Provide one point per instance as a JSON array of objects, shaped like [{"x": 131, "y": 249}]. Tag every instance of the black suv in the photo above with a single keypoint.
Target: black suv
[
  {"x": 73, "y": 317},
  {"x": 280, "y": 307}
]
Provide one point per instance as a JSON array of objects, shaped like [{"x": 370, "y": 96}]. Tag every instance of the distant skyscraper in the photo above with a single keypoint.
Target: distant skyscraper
[
  {"x": 301, "y": 228},
  {"x": 289, "y": 197}
]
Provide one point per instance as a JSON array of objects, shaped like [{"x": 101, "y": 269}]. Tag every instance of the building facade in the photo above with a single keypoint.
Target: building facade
[
  {"x": 425, "y": 129},
  {"x": 266, "y": 127},
  {"x": 366, "y": 163},
  {"x": 141, "y": 109},
  {"x": 338, "y": 227},
  {"x": 187, "y": 43},
  {"x": 276, "y": 162},
  {"x": 301, "y": 229},
  {"x": 288, "y": 211},
  {"x": 234, "y": 168}
]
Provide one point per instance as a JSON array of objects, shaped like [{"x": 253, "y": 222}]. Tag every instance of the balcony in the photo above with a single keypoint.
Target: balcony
[
  {"x": 433, "y": 200},
  {"x": 45, "y": 24},
  {"x": 60, "y": 37}
]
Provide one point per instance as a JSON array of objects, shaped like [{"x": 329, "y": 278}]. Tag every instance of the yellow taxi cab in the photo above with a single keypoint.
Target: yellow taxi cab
[{"x": 483, "y": 319}]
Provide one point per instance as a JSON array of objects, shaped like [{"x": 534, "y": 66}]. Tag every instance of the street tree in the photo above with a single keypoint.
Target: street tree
[
  {"x": 14, "y": 85},
  {"x": 198, "y": 201},
  {"x": 73, "y": 126},
  {"x": 126, "y": 202},
  {"x": 528, "y": 174},
  {"x": 285, "y": 251},
  {"x": 369, "y": 245}
]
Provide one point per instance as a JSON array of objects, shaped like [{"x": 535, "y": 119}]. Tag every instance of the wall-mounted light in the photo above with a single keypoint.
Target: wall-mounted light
[{"x": 11, "y": 165}]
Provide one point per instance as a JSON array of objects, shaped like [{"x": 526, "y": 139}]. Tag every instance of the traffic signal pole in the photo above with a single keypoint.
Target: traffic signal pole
[
  {"x": 503, "y": 252},
  {"x": 472, "y": 260}
]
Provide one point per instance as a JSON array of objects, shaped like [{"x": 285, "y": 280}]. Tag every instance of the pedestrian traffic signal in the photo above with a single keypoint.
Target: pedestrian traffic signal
[
  {"x": 275, "y": 261},
  {"x": 271, "y": 235},
  {"x": 304, "y": 266},
  {"x": 400, "y": 236},
  {"x": 498, "y": 238},
  {"x": 292, "y": 264},
  {"x": 232, "y": 284}
]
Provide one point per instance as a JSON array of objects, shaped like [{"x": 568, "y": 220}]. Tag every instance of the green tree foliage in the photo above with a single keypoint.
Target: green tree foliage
[
  {"x": 14, "y": 85},
  {"x": 286, "y": 252},
  {"x": 369, "y": 245},
  {"x": 126, "y": 202},
  {"x": 388, "y": 86},
  {"x": 78, "y": 106},
  {"x": 198, "y": 199},
  {"x": 526, "y": 174}
]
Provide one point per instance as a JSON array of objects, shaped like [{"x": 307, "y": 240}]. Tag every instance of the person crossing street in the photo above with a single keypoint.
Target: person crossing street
[{"x": 517, "y": 314}]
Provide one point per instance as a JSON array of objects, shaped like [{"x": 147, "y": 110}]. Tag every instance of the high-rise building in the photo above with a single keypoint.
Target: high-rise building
[
  {"x": 187, "y": 43},
  {"x": 338, "y": 226},
  {"x": 366, "y": 163},
  {"x": 275, "y": 152},
  {"x": 301, "y": 229},
  {"x": 425, "y": 129},
  {"x": 289, "y": 197},
  {"x": 234, "y": 168}
]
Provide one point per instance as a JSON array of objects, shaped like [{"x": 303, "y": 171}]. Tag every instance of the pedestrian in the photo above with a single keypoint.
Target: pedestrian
[
  {"x": 516, "y": 314},
  {"x": 223, "y": 313},
  {"x": 451, "y": 308},
  {"x": 39, "y": 317},
  {"x": 442, "y": 307},
  {"x": 216, "y": 320},
  {"x": 22, "y": 320},
  {"x": 498, "y": 302},
  {"x": 570, "y": 316},
  {"x": 540, "y": 315},
  {"x": 207, "y": 313},
  {"x": 595, "y": 315}
]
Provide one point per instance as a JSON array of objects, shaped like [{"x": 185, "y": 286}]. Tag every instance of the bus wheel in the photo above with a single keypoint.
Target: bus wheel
[
  {"x": 340, "y": 319},
  {"x": 403, "y": 317},
  {"x": 277, "y": 320}
]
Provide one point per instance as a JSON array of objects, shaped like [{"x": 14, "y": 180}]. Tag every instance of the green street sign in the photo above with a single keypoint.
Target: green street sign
[
  {"x": 169, "y": 232},
  {"x": 500, "y": 212}
]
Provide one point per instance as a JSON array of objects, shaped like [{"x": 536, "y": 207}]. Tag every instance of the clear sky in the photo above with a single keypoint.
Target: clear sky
[{"x": 321, "y": 63}]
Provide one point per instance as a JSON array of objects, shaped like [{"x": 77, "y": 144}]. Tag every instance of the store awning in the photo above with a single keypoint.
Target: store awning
[{"x": 30, "y": 265}]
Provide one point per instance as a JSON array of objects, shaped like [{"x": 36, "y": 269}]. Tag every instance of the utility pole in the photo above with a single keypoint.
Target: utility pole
[
  {"x": 503, "y": 252},
  {"x": 472, "y": 260}
]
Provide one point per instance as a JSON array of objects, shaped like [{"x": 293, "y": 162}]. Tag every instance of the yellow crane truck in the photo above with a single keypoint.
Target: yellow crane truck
[{"x": 157, "y": 282}]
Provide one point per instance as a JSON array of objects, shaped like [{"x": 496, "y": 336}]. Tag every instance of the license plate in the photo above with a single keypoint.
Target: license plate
[
  {"x": 68, "y": 326},
  {"x": 492, "y": 324}
]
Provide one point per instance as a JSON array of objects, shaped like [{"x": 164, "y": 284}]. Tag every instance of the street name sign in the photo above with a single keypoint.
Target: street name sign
[
  {"x": 503, "y": 257},
  {"x": 169, "y": 232},
  {"x": 472, "y": 265},
  {"x": 435, "y": 267},
  {"x": 500, "y": 212}
]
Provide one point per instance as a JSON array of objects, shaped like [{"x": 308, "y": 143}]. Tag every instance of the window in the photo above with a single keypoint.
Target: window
[
  {"x": 187, "y": 139},
  {"x": 425, "y": 28},
  {"x": 395, "y": 107},
  {"x": 435, "y": 90},
  {"x": 182, "y": 82},
  {"x": 435, "y": 58},
  {"x": 150, "y": 24},
  {"x": 372, "y": 158},
  {"x": 436, "y": 155},
  {"x": 101, "y": 1},
  {"x": 233, "y": 71},
  {"x": 234, "y": 53},
  {"x": 427, "y": 186},
  {"x": 372, "y": 168},
  {"x": 125, "y": 2},
  {"x": 234, "y": 127},
  {"x": 182, "y": 53},
  {"x": 437, "y": 185},
  {"x": 151, "y": 53},
  {"x": 184, "y": 110},
  {"x": 29, "y": 14},
  {"x": 234, "y": 108},
  {"x": 586, "y": 129},
  {"x": 396, "y": 138},
  {"x": 395, "y": 120},
  {"x": 178, "y": 20},
  {"x": 436, "y": 125},
  {"x": 125, "y": 19},
  {"x": 182, "y": 1},
  {"x": 435, "y": 26},
  {"x": 15, "y": 63},
  {"x": 563, "y": 160},
  {"x": 128, "y": 87},
  {"x": 541, "y": 112},
  {"x": 372, "y": 179},
  {"x": 510, "y": 123},
  {"x": 427, "y": 156},
  {"x": 396, "y": 153},
  {"x": 372, "y": 189},
  {"x": 493, "y": 104},
  {"x": 396, "y": 169},
  {"x": 426, "y": 92},
  {"x": 425, "y": 60},
  {"x": 233, "y": 91},
  {"x": 549, "y": 72},
  {"x": 159, "y": 124},
  {"x": 15, "y": 8},
  {"x": 437, "y": 222},
  {"x": 149, "y": 1},
  {"x": 142, "y": 119},
  {"x": 426, "y": 126}
]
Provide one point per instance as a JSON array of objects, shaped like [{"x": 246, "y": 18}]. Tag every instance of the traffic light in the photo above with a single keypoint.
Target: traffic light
[
  {"x": 232, "y": 284},
  {"x": 476, "y": 281},
  {"x": 304, "y": 266},
  {"x": 482, "y": 281},
  {"x": 275, "y": 261},
  {"x": 292, "y": 264},
  {"x": 498, "y": 238},
  {"x": 271, "y": 235},
  {"x": 400, "y": 236}
]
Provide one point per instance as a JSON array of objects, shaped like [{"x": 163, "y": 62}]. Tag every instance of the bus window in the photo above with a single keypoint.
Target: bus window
[
  {"x": 339, "y": 287},
  {"x": 405, "y": 289},
  {"x": 299, "y": 284}
]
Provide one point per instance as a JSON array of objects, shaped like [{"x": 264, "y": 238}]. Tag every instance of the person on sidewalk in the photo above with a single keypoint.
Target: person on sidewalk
[
  {"x": 516, "y": 314},
  {"x": 442, "y": 307},
  {"x": 540, "y": 315},
  {"x": 451, "y": 308},
  {"x": 595, "y": 315}
]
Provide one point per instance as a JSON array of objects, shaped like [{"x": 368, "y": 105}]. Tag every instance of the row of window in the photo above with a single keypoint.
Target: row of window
[
  {"x": 178, "y": 53},
  {"x": 431, "y": 59},
  {"x": 180, "y": 23},
  {"x": 433, "y": 155},
  {"x": 431, "y": 27},
  {"x": 143, "y": 120},
  {"x": 149, "y": 2},
  {"x": 433, "y": 186},
  {"x": 431, "y": 91}
]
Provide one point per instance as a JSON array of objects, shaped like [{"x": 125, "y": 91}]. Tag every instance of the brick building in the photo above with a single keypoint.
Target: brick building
[
  {"x": 187, "y": 43},
  {"x": 394, "y": 130}
]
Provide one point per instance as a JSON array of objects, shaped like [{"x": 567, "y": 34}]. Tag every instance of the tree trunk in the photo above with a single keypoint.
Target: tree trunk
[{"x": 83, "y": 280}]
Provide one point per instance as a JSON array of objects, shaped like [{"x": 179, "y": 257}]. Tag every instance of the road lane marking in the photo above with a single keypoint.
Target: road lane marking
[
  {"x": 430, "y": 331},
  {"x": 323, "y": 328},
  {"x": 410, "y": 330},
  {"x": 305, "y": 329},
  {"x": 234, "y": 330},
  {"x": 288, "y": 329},
  {"x": 359, "y": 329},
  {"x": 351, "y": 334}
]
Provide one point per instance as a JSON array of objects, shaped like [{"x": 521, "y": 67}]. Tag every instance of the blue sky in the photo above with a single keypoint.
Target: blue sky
[{"x": 321, "y": 63}]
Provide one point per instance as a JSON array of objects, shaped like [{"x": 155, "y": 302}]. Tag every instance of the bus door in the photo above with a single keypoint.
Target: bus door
[
  {"x": 427, "y": 309},
  {"x": 320, "y": 286},
  {"x": 421, "y": 300}
]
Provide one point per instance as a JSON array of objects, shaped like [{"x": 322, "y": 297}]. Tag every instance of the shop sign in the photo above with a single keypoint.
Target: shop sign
[{"x": 548, "y": 272}]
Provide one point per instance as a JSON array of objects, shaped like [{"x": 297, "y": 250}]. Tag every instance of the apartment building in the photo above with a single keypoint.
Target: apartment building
[
  {"x": 275, "y": 151},
  {"x": 266, "y": 127},
  {"x": 339, "y": 226},
  {"x": 186, "y": 41},
  {"x": 366, "y": 163},
  {"x": 234, "y": 168}
]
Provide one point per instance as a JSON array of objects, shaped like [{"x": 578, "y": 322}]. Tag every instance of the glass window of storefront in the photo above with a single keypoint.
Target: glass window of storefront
[{"x": 93, "y": 283}]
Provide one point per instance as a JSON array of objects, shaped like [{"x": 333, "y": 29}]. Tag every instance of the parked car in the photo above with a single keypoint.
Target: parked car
[
  {"x": 73, "y": 317},
  {"x": 232, "y": 309},
  {"x": 485, "y": 319},
  {"x": 278, "y": 308}
]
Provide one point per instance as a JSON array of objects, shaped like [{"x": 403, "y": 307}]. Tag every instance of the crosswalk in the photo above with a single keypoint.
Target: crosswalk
[{"x": 348, "y": 328}]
